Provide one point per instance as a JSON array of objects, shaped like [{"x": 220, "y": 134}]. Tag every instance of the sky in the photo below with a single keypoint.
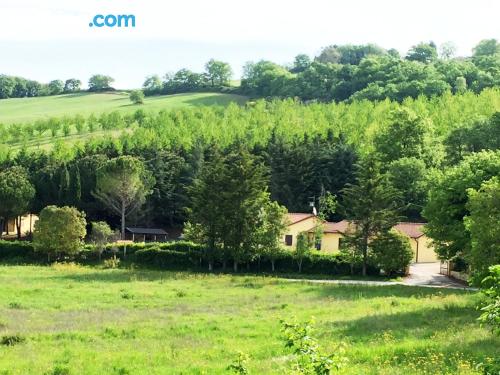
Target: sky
[{"x": 51, "y": 39}]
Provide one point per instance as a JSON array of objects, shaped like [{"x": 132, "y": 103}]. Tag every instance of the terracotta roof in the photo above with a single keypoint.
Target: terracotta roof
[
  {"x": 295, "y": 217},
  {"x": 339, "y": 227},
  {"x": 412, "y": 230}
]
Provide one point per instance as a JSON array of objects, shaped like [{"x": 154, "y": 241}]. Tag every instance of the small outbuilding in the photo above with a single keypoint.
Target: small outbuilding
[{"x": 146, "y": 234}]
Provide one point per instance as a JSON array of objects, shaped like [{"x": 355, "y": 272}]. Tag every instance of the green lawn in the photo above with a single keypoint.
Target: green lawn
[
  {"x": 30, "y": 109},
  {"x": 94, "y": 321}
]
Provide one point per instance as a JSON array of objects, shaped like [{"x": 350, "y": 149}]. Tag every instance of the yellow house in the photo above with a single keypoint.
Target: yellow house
[
  {"x": 298, "y": 223},
  {"x": 27, "y": 224},
  {"x": 423, "y": 251},
  {"x": 333, "y": 233},
  {"x": 301, "y": 222}
]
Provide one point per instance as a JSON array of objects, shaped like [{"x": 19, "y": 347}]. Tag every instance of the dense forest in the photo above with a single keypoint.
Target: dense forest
[{"x": 307, "y": 149}]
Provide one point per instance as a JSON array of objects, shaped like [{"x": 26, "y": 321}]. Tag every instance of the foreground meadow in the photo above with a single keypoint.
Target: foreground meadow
[{"x": 82, "y": 320}]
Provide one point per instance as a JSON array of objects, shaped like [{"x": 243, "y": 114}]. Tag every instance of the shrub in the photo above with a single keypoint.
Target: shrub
[
  {"x": 131, "y": 248},
  {"x": 164, "y": 258},
  {"x": 59, "y": 370},
  {"x": 239, "y": 365},
  {"x": 490, "y": 287},
  {"x": 15, "y": 305},
  {"x": 111, "y": 263},
  {"x": 309, "y": 358},
  {"x": 101, "y": 234},
  {"x": 12, "y": 340},
  {"x": 183, "y": 246},
  {"x": 137, "y": 97},
  {"x": 392, "y": 252}
]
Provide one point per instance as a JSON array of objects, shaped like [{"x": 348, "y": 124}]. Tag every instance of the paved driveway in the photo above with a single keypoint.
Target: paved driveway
[
  {"x": 421, "y": 274},
  {"x": 427, "y": 274}
]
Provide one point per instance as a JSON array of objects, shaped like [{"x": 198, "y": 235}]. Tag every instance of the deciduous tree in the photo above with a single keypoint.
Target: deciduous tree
[
  {"x": 100, "y": 82},
  {"x": 218, "y": 72},
  {"x": 59, "y": 230},
  {"x": 483, "y": 223},
  {"x": 16, "y": 194},
  {"x": 446, "y": 206}
]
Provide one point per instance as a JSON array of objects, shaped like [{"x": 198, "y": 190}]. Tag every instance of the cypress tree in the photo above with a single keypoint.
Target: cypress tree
[{"x": 371, "y": 204}]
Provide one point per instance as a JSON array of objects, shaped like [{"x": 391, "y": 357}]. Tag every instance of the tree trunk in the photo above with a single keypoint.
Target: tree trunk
[
  {"x": 248, "y": 266},
  {"x": 365, "y": 256},
  {"x": 299, "y": 263},
  {"x": 18, "y": 227},
  {"x": 235, "y": 266},
  {"x": 210, "y": 266},
  {"x": 123, "y": 220},
  {"x": 224, "y": 264},
  {"x": 1, "y": 227},
  {"x": 272, "y": 264},
  {"x": 352, "y": 268}
]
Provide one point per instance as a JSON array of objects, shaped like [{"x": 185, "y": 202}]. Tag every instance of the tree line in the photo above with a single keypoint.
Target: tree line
[
  {"x": 349, "y": 72},
  {"x": 18, "y": 87},
  {"x": 216, "y": 77},
  {"x": 353, "y": 72},
  {"x": 338, "y": 73}
]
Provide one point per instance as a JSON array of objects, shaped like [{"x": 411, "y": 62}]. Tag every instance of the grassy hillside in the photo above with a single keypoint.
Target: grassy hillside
[
  {"x": 83, "y": 320},
  {"x": 30, "y": 109}
]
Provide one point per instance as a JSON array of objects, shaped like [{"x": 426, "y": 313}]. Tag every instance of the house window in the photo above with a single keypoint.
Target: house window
[
  {"x": 288, "y": 240},
  {"x": 318, "y": 245}
]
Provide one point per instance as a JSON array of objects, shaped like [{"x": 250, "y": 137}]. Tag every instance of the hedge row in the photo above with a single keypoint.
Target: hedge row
[
  {"x": 24, "y": 250},
  {"x": 183, "y": 246},
  {"x": 313, "y": 263},
  {"x": 21, "y": 250},
  {"x": 188, "y": 255}
]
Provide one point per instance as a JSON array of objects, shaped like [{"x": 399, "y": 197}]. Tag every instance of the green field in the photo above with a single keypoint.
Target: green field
[
  {"x": 30, "y": 109},
  {"x": 78, "y": 320}
]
